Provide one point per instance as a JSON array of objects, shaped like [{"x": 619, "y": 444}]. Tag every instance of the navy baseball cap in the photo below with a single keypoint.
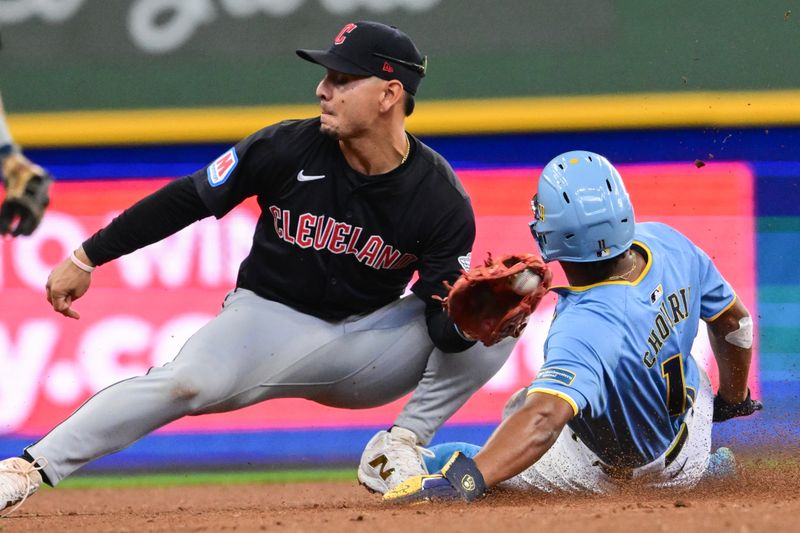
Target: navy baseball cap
[{"x": 368, "y": 48}]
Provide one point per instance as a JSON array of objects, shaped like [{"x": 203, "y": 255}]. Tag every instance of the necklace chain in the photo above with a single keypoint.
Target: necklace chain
[
  {"x": 624, "y": 277},
  {"x": 408, "y": 150}
]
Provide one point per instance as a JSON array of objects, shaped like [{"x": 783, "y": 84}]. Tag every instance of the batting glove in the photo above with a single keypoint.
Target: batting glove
[
  {"x": 459, "y": 479},
  {"x": 725, "y": 411}
]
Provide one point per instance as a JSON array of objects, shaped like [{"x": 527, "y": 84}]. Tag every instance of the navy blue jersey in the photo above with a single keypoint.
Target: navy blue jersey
[
  {"x": 620, "y": 352},
  {"x": 331, "y": 242}
]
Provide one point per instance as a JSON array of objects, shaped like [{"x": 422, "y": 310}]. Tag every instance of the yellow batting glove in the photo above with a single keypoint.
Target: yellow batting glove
[{"x": 460, "y": 479}]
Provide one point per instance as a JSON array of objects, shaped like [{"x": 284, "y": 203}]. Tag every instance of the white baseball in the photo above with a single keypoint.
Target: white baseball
[{"x": 525, "y": 282}]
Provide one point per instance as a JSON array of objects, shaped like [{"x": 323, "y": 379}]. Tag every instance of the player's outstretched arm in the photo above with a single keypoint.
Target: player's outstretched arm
[
  {"x": 521, "y": 440},
  {"x": 154, "y": 217},
  {"x": 731, "y": 338},
  {"x": 69, "y": 281}
]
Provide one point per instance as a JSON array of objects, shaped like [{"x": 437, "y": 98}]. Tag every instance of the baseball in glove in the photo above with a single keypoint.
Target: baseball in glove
[
  {"x": 27, "y": 186},
  {"x": 493, "y": 301}
]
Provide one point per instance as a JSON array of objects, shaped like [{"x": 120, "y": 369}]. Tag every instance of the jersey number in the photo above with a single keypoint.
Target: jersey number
[{"x": 672, "y": 371}]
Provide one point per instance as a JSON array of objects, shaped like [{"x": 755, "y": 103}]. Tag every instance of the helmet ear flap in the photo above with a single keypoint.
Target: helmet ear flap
[
  {"x": 541, "y": 240},
  {"x": 538, "y": 219}
]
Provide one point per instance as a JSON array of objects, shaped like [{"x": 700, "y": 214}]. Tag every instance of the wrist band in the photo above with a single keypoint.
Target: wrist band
[
  {"x": 464, "y": 476},
  {"x": 80, "y": 264}
]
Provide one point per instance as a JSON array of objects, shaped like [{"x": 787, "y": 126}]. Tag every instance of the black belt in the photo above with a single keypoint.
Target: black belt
[
  {"x": 677, "y": 446},
  {"x": 624, "y": 472}
]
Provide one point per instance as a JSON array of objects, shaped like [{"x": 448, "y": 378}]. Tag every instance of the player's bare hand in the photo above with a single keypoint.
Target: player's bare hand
[{"x": 65, "y": 284}]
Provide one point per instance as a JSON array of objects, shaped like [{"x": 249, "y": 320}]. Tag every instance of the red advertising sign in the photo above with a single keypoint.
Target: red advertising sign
[{"x": 142, "y": 307}]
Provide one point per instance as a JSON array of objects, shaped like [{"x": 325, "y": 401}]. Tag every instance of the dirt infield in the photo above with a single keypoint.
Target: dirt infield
[{"x": 764, "y": 496}]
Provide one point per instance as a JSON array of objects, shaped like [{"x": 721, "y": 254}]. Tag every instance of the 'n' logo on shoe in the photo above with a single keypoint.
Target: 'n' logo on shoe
[{"x": 379, "y": 463}]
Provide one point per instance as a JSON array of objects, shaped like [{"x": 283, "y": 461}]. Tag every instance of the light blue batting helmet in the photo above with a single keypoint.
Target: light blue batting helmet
[{"x": 582, "y": 211}]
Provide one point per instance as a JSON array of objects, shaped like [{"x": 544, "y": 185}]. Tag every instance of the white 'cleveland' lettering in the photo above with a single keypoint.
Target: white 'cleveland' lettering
[{"x": 323, "y": 232}]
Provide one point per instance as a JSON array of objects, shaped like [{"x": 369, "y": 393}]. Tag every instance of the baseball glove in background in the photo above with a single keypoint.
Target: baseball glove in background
[
  {"x": 493, "y": 301},
  {"x": 27, "y": 186}
]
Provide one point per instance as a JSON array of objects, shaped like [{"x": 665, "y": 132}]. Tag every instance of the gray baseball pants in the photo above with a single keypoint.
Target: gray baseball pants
[{"x": 258, "y": 349}]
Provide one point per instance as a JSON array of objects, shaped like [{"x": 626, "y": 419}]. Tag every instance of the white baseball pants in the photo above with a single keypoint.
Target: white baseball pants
[{"x": 571, "y": 467}]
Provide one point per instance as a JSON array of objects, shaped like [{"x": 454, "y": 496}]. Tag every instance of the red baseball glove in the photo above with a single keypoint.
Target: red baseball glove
[{"x": 494, "y": 300}]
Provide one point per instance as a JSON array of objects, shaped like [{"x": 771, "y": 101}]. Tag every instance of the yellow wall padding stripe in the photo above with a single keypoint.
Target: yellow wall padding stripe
[{"x": 442, "y": 117}]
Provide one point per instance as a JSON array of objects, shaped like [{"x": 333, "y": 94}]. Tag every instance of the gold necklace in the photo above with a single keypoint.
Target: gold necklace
[
  {"x": 624, "y": 277},
  {"x": 408, "y": 150}
]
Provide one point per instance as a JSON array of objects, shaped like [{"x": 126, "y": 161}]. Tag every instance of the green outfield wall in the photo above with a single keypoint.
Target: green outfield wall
[{"x": 150, "y": 54}]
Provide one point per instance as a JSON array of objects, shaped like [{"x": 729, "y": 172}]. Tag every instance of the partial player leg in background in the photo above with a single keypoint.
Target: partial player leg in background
[{"x": 5, "y": 135}]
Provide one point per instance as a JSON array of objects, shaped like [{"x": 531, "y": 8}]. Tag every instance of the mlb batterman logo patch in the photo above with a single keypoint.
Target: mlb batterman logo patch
[
  {"x": 468, "y": 483},
  {"x": 657, "y": 293},
  {"x": 221, "y": 168}
]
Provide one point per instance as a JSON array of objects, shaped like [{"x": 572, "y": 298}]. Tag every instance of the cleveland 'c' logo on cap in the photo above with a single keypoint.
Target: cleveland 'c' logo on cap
[{"x": 343, "y": 34}]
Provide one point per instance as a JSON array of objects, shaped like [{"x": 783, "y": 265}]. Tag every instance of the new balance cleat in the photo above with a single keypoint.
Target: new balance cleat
[
  {"x": 390, "y": 458},
  {"x": 18, "y": 480}
]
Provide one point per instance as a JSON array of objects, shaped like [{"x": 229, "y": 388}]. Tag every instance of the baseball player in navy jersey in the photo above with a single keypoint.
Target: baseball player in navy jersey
[
  {"x": 619, "y": 396},
  {"x": 351, "y": 206}
]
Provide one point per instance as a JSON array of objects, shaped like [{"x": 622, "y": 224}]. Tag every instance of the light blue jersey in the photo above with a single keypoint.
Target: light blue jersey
[{"x": 620, "y": 352}]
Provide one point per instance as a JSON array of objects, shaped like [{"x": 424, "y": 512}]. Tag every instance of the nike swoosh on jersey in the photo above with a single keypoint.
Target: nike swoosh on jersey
[{"x": 309, "y": 177}]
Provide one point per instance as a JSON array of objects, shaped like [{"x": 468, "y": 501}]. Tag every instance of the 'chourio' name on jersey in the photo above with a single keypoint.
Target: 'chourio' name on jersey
[
  {"x": 672, "y": 310},
  {"x": 322, "y": 232}
]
